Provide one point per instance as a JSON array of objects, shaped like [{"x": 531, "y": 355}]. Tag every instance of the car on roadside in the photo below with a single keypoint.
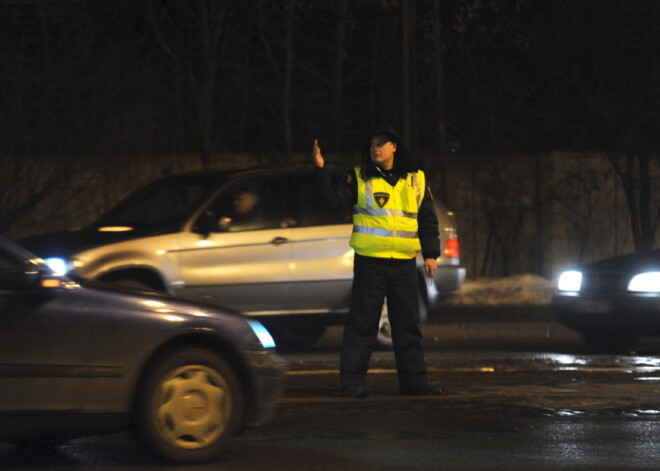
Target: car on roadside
[
  {"x": 79, "y": 359},
  {"x": 611, "y": 302},
  {"x": 259, "y": 241}
]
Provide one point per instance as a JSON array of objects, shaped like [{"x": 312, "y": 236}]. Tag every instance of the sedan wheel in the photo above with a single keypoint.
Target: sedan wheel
[{"x": 190, "y": 406}]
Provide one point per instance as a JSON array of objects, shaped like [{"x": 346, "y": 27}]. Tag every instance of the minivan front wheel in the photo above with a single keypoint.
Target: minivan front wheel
[{"x": 189, "y": 406}]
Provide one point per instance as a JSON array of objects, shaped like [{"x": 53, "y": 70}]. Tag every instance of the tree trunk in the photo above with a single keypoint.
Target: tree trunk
[
  {"x": 211, "y": 24},
  {"x": 338, "y": 79},
  {"x": 636, "y": 181},
  {"x": 438, "y": 164},
  {"x": 406, "y": 24},
  {"x": 288, "y": 69}
]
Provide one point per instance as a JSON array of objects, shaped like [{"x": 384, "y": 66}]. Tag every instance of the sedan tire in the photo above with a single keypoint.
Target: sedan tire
[{"x": 189, "y": 406}]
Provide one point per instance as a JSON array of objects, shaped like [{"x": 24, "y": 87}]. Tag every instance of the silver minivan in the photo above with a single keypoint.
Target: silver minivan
[{"x": 287, "y": 262}]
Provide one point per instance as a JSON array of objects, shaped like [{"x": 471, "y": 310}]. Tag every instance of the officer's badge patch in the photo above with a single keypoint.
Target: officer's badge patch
[{"x": 381, "y": 198}]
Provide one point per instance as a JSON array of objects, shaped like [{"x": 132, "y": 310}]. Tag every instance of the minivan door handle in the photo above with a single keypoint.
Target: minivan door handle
[{"x": 279, "y": 240}]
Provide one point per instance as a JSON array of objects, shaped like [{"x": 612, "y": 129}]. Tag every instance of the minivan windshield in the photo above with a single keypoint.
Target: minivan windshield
[{"x": 164, "y": 204}]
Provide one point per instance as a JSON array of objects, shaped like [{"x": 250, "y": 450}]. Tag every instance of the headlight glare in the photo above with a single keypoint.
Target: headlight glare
[
  {"x": 58, "y": 265},
  {"x": 648, "y": 282},
  {"x": 570, "y": 280}
]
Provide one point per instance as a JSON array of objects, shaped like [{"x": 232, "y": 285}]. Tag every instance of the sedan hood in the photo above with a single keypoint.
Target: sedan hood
[
  {"x": 632, "y": 262},
  {"x": 159, "y": 307}
]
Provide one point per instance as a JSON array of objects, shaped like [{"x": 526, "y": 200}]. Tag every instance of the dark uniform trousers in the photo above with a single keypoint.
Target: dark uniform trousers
[{"x": 373, "y": 280}]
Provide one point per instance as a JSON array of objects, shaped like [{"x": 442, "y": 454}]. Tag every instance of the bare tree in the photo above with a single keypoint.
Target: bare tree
[
  {"x": 288, "y": 77},
  {"x": 635, "y": 171},
  {"x": 18, "y": 200},
  {"x": 35, "y": 112},
  {"x": 581, "y": 194},
  {"x": 276, "y": 58},
  {"x": 195, "y": 64},
  {"x": 439, "y": 163},
  {"x": 338, "y": 75},
  {"x": 407, "y": 27}
]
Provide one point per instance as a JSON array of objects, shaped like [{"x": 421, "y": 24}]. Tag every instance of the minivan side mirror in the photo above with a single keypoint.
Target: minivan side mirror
[
  {"x": 206, "y": 224},
  {"x": 209, "y": 223}
]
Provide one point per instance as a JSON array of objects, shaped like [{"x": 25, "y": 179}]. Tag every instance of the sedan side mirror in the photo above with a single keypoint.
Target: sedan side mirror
[{"x": 206, "y": 224}]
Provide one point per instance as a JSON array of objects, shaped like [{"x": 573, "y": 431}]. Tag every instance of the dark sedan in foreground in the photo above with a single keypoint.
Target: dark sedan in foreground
[
  {"x": 79, "y": 358},
  {"x": 612, "y": 302}
]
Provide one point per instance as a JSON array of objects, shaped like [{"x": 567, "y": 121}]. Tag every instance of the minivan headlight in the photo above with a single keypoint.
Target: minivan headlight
[
  {"x": 648, "y": 282},
  {"x": 570, "y": 280}
]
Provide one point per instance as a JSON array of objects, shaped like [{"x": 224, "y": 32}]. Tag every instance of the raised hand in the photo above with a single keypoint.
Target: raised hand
[{"x": 316, "y": 154}]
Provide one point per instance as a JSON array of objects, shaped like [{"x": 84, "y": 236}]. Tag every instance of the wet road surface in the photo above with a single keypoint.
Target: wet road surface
[{"x": 523, "y": 394}]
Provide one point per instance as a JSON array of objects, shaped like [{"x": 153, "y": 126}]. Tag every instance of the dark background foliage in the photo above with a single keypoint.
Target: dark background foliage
[{"x": 171, "y": 76}]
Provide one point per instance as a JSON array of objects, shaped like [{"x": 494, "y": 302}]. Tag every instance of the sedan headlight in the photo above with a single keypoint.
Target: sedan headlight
[
  {"x": 648, "y": 282},
  {"x": 570, "y": 281}
]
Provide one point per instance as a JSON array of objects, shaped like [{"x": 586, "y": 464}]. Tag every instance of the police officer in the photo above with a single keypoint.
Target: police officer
[{"x": 393, "y": 219}]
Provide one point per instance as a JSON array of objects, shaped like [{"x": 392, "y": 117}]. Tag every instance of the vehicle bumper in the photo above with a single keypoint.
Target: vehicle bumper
[
  {"x": 269, "y": 376},
  {"x": 626, "y": 314}
]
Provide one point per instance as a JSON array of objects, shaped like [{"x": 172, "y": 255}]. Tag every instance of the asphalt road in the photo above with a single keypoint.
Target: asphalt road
[{"x": 519, "y": 393}]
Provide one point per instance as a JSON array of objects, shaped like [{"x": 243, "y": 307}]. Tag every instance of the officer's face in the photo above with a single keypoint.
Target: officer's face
[{"x": 382, "y": 152}]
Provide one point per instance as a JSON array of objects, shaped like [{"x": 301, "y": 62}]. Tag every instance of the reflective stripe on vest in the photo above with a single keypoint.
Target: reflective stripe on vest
[
  {"x": 384, "y": 232},
  {"x": 389, "y": 231},
  {"x": 384, "y": 212}
]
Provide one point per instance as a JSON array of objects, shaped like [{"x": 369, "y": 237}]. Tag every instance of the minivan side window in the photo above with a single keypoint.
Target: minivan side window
[
  {"x": 312, "y": 210},
  {"x": 163, "y": 205},
  {"x": 251, "y": 204}
]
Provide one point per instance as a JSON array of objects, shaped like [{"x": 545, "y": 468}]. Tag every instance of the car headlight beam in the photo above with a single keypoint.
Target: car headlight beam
[
  {"x": 570, "y": 280},
  {"x": 58, "y": 265},
  {"x": 648, "y": 282}
]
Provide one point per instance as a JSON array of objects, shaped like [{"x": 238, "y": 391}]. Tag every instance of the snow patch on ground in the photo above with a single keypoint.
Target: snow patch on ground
[{"x": 523, "y": 289}]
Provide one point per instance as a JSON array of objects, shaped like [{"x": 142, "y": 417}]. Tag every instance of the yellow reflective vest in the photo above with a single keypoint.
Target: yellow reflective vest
[{"x": 385, "y": 216}]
